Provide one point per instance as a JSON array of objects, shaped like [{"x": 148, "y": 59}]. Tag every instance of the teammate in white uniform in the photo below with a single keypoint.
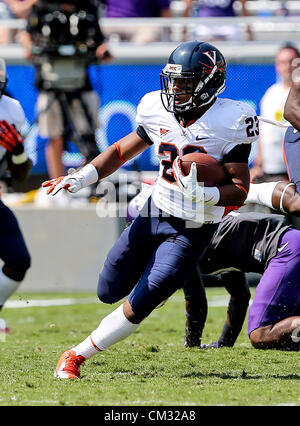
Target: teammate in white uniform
[
  {"x": 13, "y": 163},
  {"x": 157, "y": 253}
]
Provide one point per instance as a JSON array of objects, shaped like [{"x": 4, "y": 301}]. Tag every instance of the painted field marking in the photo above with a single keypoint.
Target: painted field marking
[{"x": 216, "y": 301}]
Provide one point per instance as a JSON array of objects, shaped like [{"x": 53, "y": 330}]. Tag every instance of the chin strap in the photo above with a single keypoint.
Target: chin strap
[{"x": 274, "y": 122}]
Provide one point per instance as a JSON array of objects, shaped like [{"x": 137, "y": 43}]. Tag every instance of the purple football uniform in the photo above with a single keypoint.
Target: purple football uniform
[
  {"x": 255, "y": 242},
  {"x": 277, "y": 295}
]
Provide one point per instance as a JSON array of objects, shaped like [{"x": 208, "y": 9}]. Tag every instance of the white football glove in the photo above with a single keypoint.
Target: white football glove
[
  {"x": 190, "y": 187},
  {"x": 138, "y": 202},
  {"x": 74, "y": 182},
  {"x": 188, "y": 184}
]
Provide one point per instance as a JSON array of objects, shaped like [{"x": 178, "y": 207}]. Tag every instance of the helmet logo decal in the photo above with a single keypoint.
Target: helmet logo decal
[
  {"x": 173, "y": 68},
  {"x": 212, "y": 55}
]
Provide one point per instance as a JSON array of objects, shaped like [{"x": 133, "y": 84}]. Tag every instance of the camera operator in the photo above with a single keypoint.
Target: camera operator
[{"x": 63, "y": 39}]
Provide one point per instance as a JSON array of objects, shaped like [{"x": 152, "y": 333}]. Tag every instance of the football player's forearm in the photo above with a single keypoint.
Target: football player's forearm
[
  {"x": 232, "y": 195},
  {"x": 118, "y": 154},
  {"x": 286, "y": 199},
  {"x": 235, "y": 193},
  {"x": 107, "y": 162},
  {"x": 100, "y": 167}
]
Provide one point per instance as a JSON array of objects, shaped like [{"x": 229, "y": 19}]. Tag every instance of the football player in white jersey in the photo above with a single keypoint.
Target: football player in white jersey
[
  {"x": 13, "y": 163},
  {"x": 162, "y": 247}
]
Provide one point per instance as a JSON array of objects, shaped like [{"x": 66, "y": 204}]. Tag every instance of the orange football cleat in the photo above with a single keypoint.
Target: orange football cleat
[{"x": 69, "y": 365}]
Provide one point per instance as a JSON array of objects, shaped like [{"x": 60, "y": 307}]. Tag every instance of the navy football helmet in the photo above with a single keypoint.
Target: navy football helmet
[
  {"x": 199, "y": 69},
  {"x": 3, "y": 77}
]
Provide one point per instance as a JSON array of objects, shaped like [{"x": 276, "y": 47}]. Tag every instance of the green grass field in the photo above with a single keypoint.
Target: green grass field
[{"x": 150, "y": 368}]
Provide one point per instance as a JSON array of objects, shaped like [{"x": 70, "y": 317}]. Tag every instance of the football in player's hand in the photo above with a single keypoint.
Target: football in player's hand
[{"x": 209, "y": 170}]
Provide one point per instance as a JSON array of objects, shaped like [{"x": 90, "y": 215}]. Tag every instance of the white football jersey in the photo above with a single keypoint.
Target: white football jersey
[
  {"x": 12, "y": 112},
  {"x": 224, "y": 125}
]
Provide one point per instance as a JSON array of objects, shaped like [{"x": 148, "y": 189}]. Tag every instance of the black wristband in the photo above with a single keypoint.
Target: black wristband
[{"x": 18, "y": 149}]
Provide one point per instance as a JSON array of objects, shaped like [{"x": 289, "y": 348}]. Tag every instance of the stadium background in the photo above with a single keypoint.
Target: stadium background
[
  {"x": 54, "y": 231},
  {"x": 120, "y": 88},
  {"x": 75, "y": 241}
]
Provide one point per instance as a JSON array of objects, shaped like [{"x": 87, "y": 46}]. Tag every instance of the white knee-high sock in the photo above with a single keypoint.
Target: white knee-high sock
[
  {"x": 261, "y": 193},
  {"x": 7, "y": 287},
  {"x": 112, "y": 329}
]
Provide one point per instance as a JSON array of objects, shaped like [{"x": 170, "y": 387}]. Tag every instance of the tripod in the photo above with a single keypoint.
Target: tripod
[
  {"x": 85, "y": 142},
  {"x": 83, "y": 136}
]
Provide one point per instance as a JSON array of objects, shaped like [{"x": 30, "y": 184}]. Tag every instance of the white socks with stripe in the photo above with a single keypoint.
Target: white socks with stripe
[
  {"x": 7, "y": 287},
  {"x": 261, "y": 193},
  {"x": 112, "y": 329}
]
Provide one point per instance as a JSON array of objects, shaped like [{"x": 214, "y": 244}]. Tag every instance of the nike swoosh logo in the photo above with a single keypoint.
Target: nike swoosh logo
[
  {"x": 198, "y": 138},
  {"x": 282, "y": 247}
]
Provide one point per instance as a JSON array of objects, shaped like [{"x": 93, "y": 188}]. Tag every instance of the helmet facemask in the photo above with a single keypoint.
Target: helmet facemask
[{"x": 193, "y": 84}]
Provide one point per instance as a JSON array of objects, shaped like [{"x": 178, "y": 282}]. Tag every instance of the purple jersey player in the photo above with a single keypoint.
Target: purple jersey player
[
  {"x": 265, "y": 244},
  {"x": 248, "y": 242}
]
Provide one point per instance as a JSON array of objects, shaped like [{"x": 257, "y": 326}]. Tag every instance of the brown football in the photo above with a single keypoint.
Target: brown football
[{"x": 209, "y": 170}]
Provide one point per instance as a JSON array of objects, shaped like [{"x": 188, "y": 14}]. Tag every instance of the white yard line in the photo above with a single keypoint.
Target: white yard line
[
  {"x": 13, "y": 304},
  {"x": 48, "y": 302}
]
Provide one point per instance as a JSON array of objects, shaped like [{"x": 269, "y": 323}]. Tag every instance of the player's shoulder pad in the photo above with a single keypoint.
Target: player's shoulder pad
[
  {"x": 149, "y": 106},
  {"x": 240, "y": 121}
]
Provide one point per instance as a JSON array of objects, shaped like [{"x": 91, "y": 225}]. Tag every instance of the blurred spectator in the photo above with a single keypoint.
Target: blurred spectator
[
  {"x": 5, "y": 14},
  {"x": 269, "y": 163},
  {"x": 21, "y": 8},
  {"x": 67, "y": 105},
  {"x": 13, "y": 9},
  {"x": 136, "y": 9},
  {"x": 282, "y": 10},
  {"x": 216, "y": 9}
]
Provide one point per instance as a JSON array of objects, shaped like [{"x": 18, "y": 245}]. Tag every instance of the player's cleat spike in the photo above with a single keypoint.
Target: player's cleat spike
[
  {"x": 192, "y": 336},
  {"x": 68, "y": 366}
]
